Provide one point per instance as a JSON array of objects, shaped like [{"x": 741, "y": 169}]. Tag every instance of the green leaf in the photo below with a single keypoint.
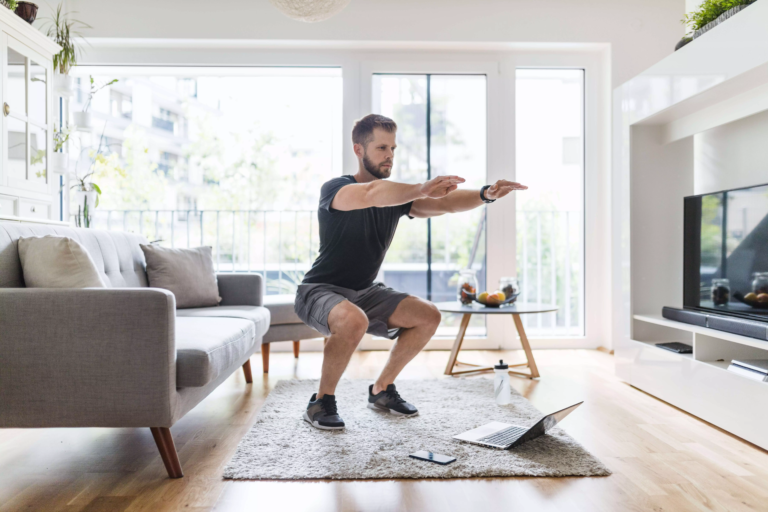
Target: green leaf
[{"x": 96, "y": 188}]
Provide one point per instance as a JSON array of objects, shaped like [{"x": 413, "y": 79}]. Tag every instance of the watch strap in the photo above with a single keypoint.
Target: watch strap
[{"x": 482, "y": 194}]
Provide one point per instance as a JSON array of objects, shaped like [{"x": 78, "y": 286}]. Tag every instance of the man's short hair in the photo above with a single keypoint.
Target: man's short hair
[{"x": 362, "y": 133}]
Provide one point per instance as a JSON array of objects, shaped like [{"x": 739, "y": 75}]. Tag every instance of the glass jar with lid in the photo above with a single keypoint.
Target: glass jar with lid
[
  {"x": 466, "y": 291},
  {"x": 720, "y": 292},
  {"x": 510, "y": 287},
  {"x": 760, "y": 282}
]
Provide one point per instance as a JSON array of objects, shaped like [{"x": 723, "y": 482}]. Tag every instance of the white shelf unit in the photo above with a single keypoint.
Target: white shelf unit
[{"x": 661, "y": 121}]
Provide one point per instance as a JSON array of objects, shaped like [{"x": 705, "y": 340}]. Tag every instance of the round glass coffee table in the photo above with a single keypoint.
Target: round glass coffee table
[{"x": 478, "y": 309}]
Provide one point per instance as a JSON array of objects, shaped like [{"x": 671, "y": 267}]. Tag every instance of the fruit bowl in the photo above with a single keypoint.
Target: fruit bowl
[
  {"x": 750, "y": 301},
  {"x": 508, "y": 300}
]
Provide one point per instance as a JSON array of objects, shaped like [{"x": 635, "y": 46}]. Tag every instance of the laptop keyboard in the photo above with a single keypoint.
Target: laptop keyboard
[{"x": 504, "y": 437}]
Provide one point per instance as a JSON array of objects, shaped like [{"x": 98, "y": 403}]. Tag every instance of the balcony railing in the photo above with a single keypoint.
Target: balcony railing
[{"x": 283, "y": 244}]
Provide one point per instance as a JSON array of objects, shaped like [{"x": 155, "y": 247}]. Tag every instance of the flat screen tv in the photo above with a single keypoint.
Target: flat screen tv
[{"x": 725, "y": 267}]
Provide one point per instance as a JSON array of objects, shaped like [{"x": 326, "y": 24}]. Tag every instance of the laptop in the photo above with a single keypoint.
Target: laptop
[{"x": 506, "y": 436}]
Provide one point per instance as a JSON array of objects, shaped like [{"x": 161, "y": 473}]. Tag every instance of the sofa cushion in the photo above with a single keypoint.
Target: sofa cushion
[
  {"x": 57, "y": 262},
  {"x": 206, "y": 347},
  {"x": 188, "y": 273},
  {"x": 281, "y": 309},
  {"x": 259, "y": 315}
]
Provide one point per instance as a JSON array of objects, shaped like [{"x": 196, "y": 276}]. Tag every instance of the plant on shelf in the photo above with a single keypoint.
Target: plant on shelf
[
  {"x": 11, "y": 4},
  {"x": 709, "y": 11},
  {"x": 64, "y": 31}
]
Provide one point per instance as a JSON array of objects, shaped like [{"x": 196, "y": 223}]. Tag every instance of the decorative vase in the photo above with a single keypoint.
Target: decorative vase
[
  {"x": 85, "y": 201},
  {"x": 64, "y": 85},
  {"x": 82, "y": 120},
  {"x": 59, "y": 162},
  {"x": 26, "y": 11}
]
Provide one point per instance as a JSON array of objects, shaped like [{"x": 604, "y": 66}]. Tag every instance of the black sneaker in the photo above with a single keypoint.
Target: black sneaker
[
  {"x": 322, "y": 413},
  {"x": 390, "y": 400}
]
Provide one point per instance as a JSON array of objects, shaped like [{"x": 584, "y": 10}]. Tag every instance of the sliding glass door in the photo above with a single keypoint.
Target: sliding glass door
[{"x": 441, "y": 130}]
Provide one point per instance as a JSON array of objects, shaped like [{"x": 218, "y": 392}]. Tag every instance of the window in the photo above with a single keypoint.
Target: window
[
  {"x": 550, "y": 214},
  {"x": 246, "y": 150},
  {"x": 441, "y": 130}
]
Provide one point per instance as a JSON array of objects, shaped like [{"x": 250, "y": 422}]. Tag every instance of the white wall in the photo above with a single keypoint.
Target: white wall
[
  {"x": 640, "y": 32},
  {"x": 732, "y": 156}
]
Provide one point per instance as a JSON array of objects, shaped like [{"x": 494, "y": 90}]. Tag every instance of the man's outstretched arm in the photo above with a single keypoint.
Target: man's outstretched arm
[
  {"x": 461, "y": 200},
  {"x": 382, "y": 193}
]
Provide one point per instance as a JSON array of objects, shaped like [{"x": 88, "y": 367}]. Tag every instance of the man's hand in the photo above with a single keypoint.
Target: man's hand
[
  {"x": 502, "y": 188},
  {"x": 441, "y": 186}
]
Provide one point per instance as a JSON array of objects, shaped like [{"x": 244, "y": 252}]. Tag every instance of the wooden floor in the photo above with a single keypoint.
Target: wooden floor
[{"x": 662, "y": 458}]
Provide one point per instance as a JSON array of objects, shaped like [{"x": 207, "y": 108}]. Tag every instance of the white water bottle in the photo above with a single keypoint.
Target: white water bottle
[{"x": 501, "y": 389}]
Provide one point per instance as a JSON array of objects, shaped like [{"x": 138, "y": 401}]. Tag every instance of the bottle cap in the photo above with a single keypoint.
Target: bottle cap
[{"x": 501, "y": 366}]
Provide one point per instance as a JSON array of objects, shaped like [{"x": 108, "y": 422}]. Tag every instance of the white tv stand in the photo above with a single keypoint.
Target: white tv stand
[{"x": 720, "y": 78}]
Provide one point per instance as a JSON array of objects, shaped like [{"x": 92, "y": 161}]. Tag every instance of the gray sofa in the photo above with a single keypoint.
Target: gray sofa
[{"x": 121, "y": 356}]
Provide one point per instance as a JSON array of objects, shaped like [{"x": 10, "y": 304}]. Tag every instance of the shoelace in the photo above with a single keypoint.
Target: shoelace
[
  {"x": 394, "y": 395},
  {"x": 329, "y": 405}
]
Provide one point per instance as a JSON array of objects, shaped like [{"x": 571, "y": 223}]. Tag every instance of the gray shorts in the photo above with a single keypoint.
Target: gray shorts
[{"x": 315, "y": 301}]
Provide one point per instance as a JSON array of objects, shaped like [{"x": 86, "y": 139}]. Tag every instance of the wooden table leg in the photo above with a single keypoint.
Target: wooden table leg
[
  {"x": 457, "y": 343},
  {"x": 526, "y": 346}
]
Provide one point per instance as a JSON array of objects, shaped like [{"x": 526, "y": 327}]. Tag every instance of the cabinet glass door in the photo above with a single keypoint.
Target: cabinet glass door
[{"x": 25, "y": 107}]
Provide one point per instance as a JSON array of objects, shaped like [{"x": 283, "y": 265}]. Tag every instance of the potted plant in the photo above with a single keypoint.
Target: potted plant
[
  {"x": 60, "y": 160},
  {"x": 87, "y": 192},
  {"x": 709, "y": 14},
  {"x": 10, "y": 4},
  {"x": 63, "y": 31},
  {"x": 83, "y": 119},
  {"x": 26, "y": 11}
]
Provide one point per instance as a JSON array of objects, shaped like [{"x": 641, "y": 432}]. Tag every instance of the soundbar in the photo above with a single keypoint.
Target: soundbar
[{"x": 749, "y": 328}]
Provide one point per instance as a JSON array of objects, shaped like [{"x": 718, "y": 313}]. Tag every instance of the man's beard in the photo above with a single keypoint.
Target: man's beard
[{"x": 376, "y": 170}]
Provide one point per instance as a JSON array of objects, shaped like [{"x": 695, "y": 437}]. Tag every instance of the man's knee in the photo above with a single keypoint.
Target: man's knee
[
  {"x": 432, "y": 317},
  {"x": 348, "y": 321}
]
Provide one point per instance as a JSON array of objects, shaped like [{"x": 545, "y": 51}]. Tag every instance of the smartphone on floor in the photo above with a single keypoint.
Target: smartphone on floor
[{"x": 433, "y": 457}]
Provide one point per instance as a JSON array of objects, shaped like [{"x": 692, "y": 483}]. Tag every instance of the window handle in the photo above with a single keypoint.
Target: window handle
[{"x": 6, "y": 109}]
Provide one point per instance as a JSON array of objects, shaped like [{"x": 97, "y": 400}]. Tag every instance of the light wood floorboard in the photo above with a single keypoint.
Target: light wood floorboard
[{"x": 663, "y": 459}]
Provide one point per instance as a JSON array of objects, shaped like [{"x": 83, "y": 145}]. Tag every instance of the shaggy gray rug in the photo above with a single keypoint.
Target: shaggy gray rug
[{"x": 281, "y": 446}]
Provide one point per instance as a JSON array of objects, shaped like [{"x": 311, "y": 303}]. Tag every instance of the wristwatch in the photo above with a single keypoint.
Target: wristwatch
[{"x": 482, "y": 194}]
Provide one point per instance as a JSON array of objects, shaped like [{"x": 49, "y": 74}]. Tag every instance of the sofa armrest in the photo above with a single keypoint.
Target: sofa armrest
[
  {"x": 241, "y": 289},
  {"x": 87, "y": 357}
]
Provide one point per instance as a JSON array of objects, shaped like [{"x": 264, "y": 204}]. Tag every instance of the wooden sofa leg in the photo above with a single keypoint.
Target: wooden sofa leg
[
  {"x": 265, "y": 356},
  {"x": 164, "y": 442},
  {"x": 296, "y": 348},
  {"x": 247, "y": 372}
]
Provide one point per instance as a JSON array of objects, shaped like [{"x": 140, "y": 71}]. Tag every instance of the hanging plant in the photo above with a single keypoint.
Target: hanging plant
[{"x": 63, "y": 31}]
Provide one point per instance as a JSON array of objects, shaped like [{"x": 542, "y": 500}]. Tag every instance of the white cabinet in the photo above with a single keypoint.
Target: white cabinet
[{"x": 28, "y": 190}]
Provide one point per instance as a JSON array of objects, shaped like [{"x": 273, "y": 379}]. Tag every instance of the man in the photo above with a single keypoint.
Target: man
[{"x": 358, "y": 215}]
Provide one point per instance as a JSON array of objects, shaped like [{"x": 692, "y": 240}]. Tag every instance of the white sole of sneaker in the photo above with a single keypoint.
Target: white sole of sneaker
[
  {"x": 392, "y": 411},
  {"x": 318, "y": 425}
]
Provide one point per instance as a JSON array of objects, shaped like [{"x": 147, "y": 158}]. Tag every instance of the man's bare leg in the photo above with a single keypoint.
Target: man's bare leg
[
  {"x": 348, "y": 324},
  {"x": 419, "y": 319}
]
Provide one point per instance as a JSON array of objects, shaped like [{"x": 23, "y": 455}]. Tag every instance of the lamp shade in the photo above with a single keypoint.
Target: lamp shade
[{"x": 310, "y": 11}]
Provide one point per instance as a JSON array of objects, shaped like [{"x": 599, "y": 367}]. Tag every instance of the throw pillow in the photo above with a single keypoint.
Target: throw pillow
[
  {"x": 57, "y": 262},
  {"x": 188, "y": 273}
]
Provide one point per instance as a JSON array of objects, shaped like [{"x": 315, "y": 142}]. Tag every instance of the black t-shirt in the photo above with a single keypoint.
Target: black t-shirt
[{"x": 352, "y": 243}]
